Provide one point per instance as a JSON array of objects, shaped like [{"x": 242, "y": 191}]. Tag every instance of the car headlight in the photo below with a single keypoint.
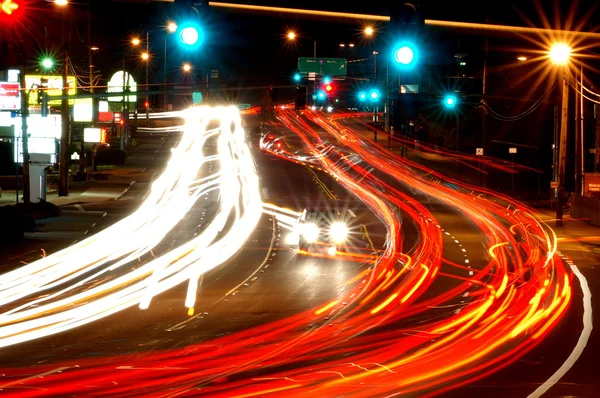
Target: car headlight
[
  {"x": 310, "y": 232},
  {"x": 292, "y": 238},
  {"x": 338, "y": 232}
]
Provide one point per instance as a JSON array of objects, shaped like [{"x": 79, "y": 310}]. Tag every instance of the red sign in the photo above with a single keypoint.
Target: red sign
[
  {"x": 592, "y": 185},
  {"x": 9, "y": 96}
]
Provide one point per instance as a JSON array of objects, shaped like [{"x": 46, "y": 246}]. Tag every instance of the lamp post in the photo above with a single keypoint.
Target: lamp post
[
  {"x": 171, "y": 28},
  {"x": 560, "y": 54}
]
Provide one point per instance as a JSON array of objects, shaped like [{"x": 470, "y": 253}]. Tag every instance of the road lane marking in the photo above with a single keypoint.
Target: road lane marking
[
  {"x": 326, "y": 190},
  {"x": 581, "y": 343},
  {"x": 351, "y": 213},
  {"x": 368, "y": 237}
]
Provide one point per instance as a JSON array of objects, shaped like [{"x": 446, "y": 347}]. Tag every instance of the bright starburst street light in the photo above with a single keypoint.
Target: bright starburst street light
[
  {"x": 135, "y": 41},
  {"x": 145, "y": 56},
  {"x": 297, "y": 77},
  {"x": 187, "y": 67},
  {"x": 47, "y": 63},
  {"x": 560, "y": 53},
  {"x": 172, "y": 27},
  {"x": 369, "y": 31},
  {"x": 61, "y": 2},
  {"x": 362, "y": 96},
  {"x": 291, "y": 35}
]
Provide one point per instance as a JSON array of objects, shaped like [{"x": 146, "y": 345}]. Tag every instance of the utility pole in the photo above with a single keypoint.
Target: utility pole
[
  {"x": 63, "y": 181},
  {"x": 165, "y": 78},
  {"x": 24, "y": 136},
  {"x": 582, "y": 140},
  {"x": 562, "y": 157},
  {"x": 147, "y": 103},
  {"x": 91, "y": 65},
  {"x": 597, "y": 140},
  {"x": 577, "y": 138}
]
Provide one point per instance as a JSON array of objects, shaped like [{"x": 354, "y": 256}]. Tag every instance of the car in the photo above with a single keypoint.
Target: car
[{"x": 320, "y": 231}]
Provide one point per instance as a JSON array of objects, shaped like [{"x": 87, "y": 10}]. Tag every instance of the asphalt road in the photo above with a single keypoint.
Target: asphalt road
[{"x": 267, "y": 281}]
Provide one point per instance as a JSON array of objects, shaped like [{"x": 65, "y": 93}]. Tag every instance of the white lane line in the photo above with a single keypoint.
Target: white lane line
[
  {"x": 79, "y": 207},
  {"x": 581, "y": 343},
  {"x": 351, "y": 213}
]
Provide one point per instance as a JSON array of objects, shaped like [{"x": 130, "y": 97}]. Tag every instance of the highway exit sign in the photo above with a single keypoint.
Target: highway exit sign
[{"x": 323, "y": 66}]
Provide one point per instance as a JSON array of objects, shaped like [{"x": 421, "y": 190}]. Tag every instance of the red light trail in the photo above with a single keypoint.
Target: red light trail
[{"x": 385, "y": 334}]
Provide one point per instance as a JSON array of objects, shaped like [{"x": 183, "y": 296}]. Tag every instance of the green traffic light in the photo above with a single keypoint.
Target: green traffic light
[{"x": 47, "y": 63}]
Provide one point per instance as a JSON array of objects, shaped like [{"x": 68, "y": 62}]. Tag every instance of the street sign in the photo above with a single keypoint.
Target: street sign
[
  {"x": 591, "y": 182},
  {"x": 118, "y": 82},
  {"x": 92, "y": 135},
  {"x": 323, "y": 66},
  {"x": 54, "y": 84},
  {"x": 512, "y": 150},
  {"x": 83, "y": 111},
  {"x": 553, "y": 184},
  {"x": 9, "y": 96},
  {"x": 409, "y": 89},
  {"x": 479, "y": 151}
]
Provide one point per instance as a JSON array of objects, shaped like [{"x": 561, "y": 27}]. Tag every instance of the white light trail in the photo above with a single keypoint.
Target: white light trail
[{"x": 105, "y": 274}]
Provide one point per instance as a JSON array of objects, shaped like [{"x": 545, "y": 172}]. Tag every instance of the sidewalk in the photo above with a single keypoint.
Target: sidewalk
[{"x": 107, "y": 185}]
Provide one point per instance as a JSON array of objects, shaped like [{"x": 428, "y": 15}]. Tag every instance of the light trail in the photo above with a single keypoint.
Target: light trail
[
  {"x": 382, "y": 335},
  {"x": 113, "y": 253}
]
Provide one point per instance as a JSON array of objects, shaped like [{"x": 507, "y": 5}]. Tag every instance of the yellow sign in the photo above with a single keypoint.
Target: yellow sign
[{"x": 54, "y": 88}]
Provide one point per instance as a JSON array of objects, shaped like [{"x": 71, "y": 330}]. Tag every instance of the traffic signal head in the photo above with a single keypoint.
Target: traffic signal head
[
  {"x": 321, "y": 95},
  {"x": 328, "y": 88},
  {"x": 146, "y": 104},
  {"x": 362, "y": 96},
  {"x": 374, "y": 95},
  {"x": 191, "y": 36},
  {"x": 450, "y": 101},
  {"x": 326, "y": 80},
  {"x": 47, "y": 63},
  {"x": 405, "y": 55},
  {"x": 10, "y": 11},
  {"x": 297, "y": 77}
]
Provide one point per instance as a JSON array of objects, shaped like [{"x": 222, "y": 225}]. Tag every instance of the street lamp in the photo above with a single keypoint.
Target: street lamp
[
  {"x": 135, "y": 41},
  {"x": 145, "y": 56},
  {"x": 172, "y": 27},
  {"x": 369, "y": 31},
  {"x": 187, "y": 67},
  {"x": 560, "y": 53},
  {"x": 522, "y": 58},
  {"x": 61, "y": 2},
  {"x": 291, "y": 35}
]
